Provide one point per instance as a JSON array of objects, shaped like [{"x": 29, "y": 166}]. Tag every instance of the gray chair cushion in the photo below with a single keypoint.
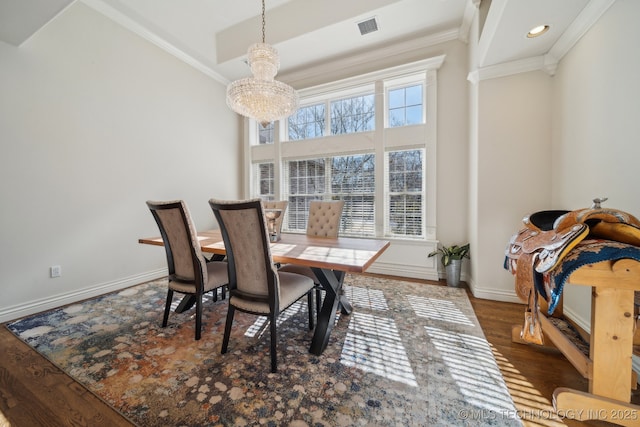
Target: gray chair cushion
[
  {"x": 216, "y": 277},
  {"x": 292, "y": 286}
]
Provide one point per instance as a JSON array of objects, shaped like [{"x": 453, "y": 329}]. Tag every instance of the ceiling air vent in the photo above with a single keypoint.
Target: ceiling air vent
[{"x": 368, "y": 26}]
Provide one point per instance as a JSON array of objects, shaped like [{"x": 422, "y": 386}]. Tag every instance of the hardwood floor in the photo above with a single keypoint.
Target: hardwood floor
[{"x": 33, "y": 392}]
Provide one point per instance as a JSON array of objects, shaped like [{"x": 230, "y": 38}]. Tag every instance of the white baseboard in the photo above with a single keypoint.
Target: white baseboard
[
  {"x": 493, "y": 294},
  {"x": 36, "y": 306}
]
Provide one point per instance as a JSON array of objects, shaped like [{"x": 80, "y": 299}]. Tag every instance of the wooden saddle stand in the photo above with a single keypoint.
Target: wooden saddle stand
[{"x": 595, "y": 247}]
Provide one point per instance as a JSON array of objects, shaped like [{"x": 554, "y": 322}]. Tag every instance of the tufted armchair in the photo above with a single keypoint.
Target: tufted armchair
[{"x": 324, "y": 221}]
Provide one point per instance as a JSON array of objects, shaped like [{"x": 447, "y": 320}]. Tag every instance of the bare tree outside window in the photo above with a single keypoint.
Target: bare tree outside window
[
  {"x": 308, "y": 122},
  {"x": 353, "y": 115}
]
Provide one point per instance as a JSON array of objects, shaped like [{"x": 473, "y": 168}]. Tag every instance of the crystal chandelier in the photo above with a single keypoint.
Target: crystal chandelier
[{"x": 261, "y": 97}]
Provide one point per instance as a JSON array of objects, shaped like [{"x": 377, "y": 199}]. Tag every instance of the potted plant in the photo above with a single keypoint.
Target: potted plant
[{"x": 452, "y": 257}]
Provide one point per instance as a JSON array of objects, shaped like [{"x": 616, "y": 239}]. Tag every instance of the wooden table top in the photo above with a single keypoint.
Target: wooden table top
[{"x": 347, "y": 254}]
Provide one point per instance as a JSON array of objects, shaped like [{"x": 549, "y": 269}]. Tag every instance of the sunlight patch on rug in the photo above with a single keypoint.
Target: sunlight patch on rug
[
  {"x": 372, "y": 299},
  {"x": 373, "y": 344},
  {"x": 435, "y": 308},
  {"x": 259, "y": 327},
  {"x": 472, "y": 366}
]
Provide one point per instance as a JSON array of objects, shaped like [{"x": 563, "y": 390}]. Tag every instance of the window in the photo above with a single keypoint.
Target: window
[
  {"x": 405, "y": 106},
  {"x": 353, "y": 180},
  {"x": 306, "y": 182},
  {"x": 404, "y": 195},
  {"x": 340, "y": 146},
  {"x": 265, "y": 133},
  {"x": 348, "y": 178},
  {"x": 353, "y": 115},
  {"x": 264, "y": 180},
  {"x": 307, "y": 122}
]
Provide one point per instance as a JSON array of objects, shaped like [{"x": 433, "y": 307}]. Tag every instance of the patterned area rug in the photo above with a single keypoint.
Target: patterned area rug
[{"x": 409, "y": 355}]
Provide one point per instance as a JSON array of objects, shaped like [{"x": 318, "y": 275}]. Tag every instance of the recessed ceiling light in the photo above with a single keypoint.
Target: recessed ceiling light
[{"x": 537, "y": 31}]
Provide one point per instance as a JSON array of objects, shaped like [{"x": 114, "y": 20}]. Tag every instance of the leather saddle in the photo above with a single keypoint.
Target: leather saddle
[{"x": 547, "y": 237}]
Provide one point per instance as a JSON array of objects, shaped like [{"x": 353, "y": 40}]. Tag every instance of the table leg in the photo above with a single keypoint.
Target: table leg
[
  {"x": 187, "y": 302},
  {"x": 331, "y": 281},
  {"x": 345, "y": 304}
]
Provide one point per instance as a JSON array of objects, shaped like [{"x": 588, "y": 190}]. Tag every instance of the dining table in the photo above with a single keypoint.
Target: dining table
[{"x": 329, "y": 258}]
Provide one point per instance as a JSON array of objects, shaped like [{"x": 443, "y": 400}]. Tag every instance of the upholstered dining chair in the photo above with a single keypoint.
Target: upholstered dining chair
[
  {"x": 324, "y": 221},
  {"x": 255, "y": 284},
  {"x": 282, "y": 205},
  {"x": 189, "y": 271}
]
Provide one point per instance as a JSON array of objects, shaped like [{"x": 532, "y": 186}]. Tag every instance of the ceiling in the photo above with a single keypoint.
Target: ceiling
[{"x": 213, "y": 35}]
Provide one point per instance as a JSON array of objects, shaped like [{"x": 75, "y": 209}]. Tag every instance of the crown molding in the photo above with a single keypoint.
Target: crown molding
[
  {"x": 432, "y": 63},
  {"x": 506, "y": 69},
  {"x": 356, "y": 60},
  {"x": 126, "y": 22}
]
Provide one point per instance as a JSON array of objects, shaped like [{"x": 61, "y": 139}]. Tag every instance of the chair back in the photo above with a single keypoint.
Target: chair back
[
  {"x": 185, "y": 261},
  {"x": 252, "y": 275},
  {"x": 324, "y": 218},
  {"x": 282, "y": 205}
]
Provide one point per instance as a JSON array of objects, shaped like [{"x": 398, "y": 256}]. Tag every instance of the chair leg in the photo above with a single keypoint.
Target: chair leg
[
  {"x": 227, "y": 328},
  {"x": 198, "y": 316},
  {"x": 167, "y": 308},
  {"x": 274, "y": 339}
]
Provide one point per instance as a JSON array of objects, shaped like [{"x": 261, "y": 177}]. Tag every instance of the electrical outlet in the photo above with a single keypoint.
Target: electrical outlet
[{"x": 55, "y": 271}]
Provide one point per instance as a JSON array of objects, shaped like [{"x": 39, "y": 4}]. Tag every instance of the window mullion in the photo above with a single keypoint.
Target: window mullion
[
  {"x": 380, "y": 204},
  {"x": 328, "y": 173}
]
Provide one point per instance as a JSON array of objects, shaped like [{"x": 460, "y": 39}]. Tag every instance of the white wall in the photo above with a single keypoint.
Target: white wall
[
  {"x": 513, "y": 171},
  {"x": 93, "y": 122},
  {"x": 596, "y": 126}
]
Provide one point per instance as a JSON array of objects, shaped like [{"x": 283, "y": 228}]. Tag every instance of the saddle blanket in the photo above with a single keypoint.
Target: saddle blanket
[{"x": 588, "y": 251}]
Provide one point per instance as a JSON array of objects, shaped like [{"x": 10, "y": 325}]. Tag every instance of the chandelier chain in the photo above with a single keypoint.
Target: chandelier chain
[{"x": 263, "y": 23}]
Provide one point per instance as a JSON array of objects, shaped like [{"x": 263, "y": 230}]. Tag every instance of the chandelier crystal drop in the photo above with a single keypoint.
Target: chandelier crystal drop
[{"x": 261, "y": 97}]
